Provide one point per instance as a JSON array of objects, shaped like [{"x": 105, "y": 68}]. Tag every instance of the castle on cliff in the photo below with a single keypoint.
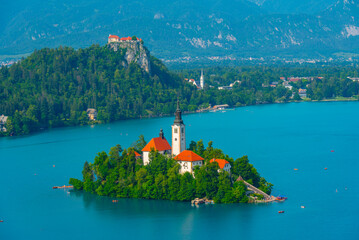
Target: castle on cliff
[
  {"x": 114, "y": 38},
  {"x": 135, "y": 51}
]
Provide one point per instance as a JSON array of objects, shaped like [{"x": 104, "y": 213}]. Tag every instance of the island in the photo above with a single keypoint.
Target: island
[{"x": 157, "y": 170}]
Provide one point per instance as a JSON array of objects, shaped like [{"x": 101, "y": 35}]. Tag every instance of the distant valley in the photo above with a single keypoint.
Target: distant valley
[{"x": 186, "y": 29}]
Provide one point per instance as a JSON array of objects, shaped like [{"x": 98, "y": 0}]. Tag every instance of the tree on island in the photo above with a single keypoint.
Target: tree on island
[
  {"x": 118, "y": 174},
  {"x": 139, "y": 144}
]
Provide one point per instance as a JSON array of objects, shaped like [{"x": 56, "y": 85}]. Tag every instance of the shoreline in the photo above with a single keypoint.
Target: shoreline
[{"x": 193, "y": 112}]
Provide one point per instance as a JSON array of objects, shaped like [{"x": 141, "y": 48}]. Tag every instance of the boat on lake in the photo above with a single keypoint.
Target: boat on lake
[{"x": 281, "y": 198}]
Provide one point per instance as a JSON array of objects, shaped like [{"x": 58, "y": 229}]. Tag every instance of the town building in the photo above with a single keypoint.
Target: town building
[
  {"x": 234, "y": 83},
  {"x": 223, "y": 164},
  {"x": 294, "y": 79},
  {"x": 194, "y": 82},
  {"x": 274, "y": 84},
  {"x": 220, "y": 107},
  {"x": 3, "y": 120},
  {"x": 287, "y": 85},
  {"x": 159, "y": 144},
  {"x": 354, "y": 79},
  {"x": 188, "y": 161},
  {"x": 225, "y": 88},
  {"x": 91, "y": 113},
  {"x": 302, "y": 93}
]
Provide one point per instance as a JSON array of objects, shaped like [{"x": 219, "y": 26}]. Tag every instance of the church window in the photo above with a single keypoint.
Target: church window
[
  {"x": 185, "y": 166},
  {"x": 175, "y": 130},
  {"x": 182, "y": 130},
  {"x": 175, "y": 139}
]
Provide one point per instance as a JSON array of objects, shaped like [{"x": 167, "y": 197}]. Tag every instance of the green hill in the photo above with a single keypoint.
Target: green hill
[{"x": 55, "y": 87}]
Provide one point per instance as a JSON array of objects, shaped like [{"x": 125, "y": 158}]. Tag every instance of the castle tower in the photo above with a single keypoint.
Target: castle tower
[
  {"x": 202, "y": 79},
  {"x": 178, "y": 133}
]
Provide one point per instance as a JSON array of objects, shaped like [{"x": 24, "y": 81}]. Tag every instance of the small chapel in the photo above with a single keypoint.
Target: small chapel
[{"x": 186, "y": 158}]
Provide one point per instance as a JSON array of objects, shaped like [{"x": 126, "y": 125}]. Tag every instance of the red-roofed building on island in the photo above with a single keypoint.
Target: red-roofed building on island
[
  {"x": 188, "y": 160},
  {"x": 223, "y": 164},
  {"x": 137, "y": 155},
  {"x": 159, "y": 144}
]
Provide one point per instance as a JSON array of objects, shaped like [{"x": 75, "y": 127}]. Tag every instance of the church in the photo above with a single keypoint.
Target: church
[{"x": 186, "y": 158}]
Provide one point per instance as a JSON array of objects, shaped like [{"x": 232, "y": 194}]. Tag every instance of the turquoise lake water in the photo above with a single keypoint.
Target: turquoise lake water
[{"x": 277, "y": 138}]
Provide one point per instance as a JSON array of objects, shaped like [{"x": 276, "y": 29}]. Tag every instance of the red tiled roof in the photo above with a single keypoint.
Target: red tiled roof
[
  {"x": 129, "y": 38},
  {"x": 136, "y": 154},
  {"x": 188, "y": 156},
  {"x": 221, "y": 162},
  {"x": 113, "y": 36},
  {"x": 126, "y": 38},
  {"x": 158, "y": 144}
]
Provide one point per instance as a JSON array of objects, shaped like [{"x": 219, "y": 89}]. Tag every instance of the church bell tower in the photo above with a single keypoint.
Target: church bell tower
[
  {"x": 202, "y": 80},
  {"x": 178, "y": 133}
]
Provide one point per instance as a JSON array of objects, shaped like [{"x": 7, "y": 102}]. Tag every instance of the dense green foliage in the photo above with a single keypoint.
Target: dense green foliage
[
  {"x": 120, "y": 174},
  {"x": 334, "y": 83},
  {"x": 55, "y": 87}
]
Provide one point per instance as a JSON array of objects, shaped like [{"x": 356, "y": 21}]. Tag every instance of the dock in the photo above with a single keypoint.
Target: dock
[
  {"x": 252, "y": 188},
  {"x": 198, "y": 201}
]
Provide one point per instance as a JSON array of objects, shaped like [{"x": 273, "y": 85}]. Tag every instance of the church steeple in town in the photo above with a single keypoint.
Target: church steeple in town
[{"x": 202, "y": 79}]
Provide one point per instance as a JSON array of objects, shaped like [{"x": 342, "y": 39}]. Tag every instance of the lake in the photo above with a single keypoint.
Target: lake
[{"x": 277, "y": 138}]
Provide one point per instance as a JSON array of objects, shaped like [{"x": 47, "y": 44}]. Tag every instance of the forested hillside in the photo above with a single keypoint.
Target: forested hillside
[{"x": 54, "y": 87}]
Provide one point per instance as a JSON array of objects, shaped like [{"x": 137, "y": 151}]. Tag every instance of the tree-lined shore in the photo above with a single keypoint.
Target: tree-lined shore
[
  {"x": 120, "y": 174},
  {"x": 54, "y": 88}
]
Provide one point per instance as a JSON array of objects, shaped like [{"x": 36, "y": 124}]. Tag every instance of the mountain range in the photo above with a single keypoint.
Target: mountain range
[{"x": 181, "y": 29}]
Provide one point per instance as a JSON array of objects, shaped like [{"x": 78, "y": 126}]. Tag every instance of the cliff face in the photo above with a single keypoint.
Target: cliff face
[{"x": 135, "y": 52}]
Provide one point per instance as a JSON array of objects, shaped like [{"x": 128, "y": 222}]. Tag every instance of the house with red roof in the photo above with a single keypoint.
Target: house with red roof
[
  {"x": 159, "y": 144},
  {"x": 188, "y": 160},
  {"x": 137, "y": 155},
  {"x": 223, "y": 164},
  {"x": 113, "y": 38}
]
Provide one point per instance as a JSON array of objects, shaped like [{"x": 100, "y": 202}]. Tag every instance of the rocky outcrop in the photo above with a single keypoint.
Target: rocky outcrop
[{"x": 135, "y": 53}]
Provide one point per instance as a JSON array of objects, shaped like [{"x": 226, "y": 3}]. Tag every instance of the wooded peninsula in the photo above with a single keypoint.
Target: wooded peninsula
[{"x": 57, "y": 87}]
